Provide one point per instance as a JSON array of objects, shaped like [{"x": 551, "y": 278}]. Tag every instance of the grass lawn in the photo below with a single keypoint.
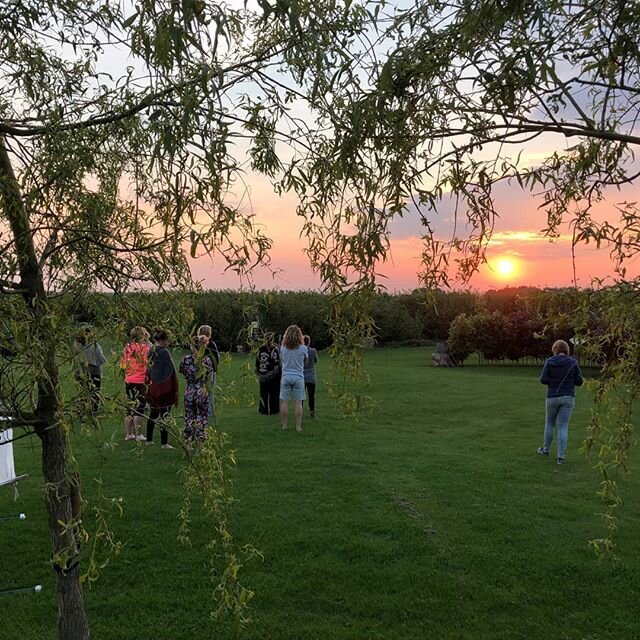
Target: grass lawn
[{"x": 431, "y": 518}]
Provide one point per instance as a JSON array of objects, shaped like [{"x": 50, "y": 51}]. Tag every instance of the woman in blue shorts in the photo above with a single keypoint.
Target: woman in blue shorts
[{"x": 293, "y": 357}]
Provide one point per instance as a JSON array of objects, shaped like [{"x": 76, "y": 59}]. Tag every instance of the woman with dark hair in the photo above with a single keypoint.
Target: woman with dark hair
[
  {"x": 162, "y": 386},
  {"x": 293, "y": 355},
  {"x": 561, "y": 373},
  {"x": 197, "y": 369},
  {"x": 268, "y": 372}
]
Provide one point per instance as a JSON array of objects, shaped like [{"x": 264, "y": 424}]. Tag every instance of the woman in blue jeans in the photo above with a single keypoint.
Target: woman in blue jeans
[{"x": 561, "y": 373}]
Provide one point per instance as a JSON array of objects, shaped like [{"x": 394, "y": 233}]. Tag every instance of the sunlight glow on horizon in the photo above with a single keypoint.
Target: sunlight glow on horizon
[{"x": 505, "y": 267}]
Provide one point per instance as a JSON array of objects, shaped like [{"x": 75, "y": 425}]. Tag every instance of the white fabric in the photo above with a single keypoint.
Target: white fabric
[{"x": 7, "y": 469}]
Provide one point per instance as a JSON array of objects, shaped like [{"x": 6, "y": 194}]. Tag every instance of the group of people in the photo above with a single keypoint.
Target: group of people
[
  {"x": 151, "y": 379},
  {"x": 285, "y": 372}
]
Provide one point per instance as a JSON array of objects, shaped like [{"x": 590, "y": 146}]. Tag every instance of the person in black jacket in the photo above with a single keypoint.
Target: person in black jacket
[
  {"x": 268, "y": 372},
  {"x": 162, "y": 386},
  {"x": 561, "y": 373}
]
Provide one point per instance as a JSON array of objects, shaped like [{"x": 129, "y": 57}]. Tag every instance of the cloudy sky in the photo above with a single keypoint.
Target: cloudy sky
[{"x": 519, "y": 254}]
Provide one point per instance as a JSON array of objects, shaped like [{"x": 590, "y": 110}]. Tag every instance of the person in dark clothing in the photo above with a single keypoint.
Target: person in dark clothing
[
  {"x": 89, "y": 365},
  {"x": 268, "y": 372},
  {"x": 310, "y": 376},
  {"x": 162, "y": 386},
  {"x": 561, "y": 373}
]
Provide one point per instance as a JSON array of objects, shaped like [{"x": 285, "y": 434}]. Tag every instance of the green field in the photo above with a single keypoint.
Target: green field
[{"x": 431, "y": 518}]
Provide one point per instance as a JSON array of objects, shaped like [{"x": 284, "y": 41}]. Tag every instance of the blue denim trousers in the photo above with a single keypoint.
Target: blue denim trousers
[{"x": 559, "y": 412}]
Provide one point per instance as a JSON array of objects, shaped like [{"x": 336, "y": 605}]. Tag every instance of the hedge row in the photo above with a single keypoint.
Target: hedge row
[{"x": 406, "y": 318}]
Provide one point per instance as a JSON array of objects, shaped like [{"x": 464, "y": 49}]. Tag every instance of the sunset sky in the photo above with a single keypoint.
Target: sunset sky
[{"x": 518, "y": 255}]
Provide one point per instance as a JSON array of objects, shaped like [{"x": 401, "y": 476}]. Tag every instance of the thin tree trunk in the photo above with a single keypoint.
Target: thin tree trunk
[{"x": 63, "y": 522}]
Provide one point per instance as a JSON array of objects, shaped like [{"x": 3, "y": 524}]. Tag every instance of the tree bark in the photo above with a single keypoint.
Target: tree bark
[
  {"x": 59, "y": 496},
  {"x": 63, "y": 522}
]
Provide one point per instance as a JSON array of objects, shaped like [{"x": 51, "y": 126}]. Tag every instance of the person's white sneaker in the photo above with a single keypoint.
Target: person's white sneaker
[{"x": 166, "y": 446}]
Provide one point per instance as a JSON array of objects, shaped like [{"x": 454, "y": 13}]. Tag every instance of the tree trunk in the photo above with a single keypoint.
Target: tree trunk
[{"x": 59, "y": 492}]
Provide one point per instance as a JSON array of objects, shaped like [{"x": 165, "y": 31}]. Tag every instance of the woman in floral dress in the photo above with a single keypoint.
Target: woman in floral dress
[{"x": 197, "y": 369}]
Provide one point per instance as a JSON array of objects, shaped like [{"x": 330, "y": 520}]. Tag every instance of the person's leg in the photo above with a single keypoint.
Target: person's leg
[
  {"x": 311, "y": 394},
  {"x": 202, "y": 416},
  {"x": 274, "y": 396},
  {"x": 286, "y": 394},
  {"x": 565, "y": 410},
  {"x": 550, "y": 422},
  {"x": 263, "y": 407},
  {"x": 297, "y": 390},
  {"x": 138, "y": 416},
  {"x": 151, "y": 423},
  {"x": 128, "y": 427},
  {"x": 96, "y": 384},
  {"x": 298, "y": 410},
  {"x": 128, "y": 418},
  {"x": 138, "y": 421},
  {"x": 164, "y": 432},
  {"x": 188, "y": 433}
]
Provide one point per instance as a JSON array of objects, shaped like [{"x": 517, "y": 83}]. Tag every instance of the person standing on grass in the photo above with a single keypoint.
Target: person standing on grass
[
  {"x": 197, "y": 369},
  {"x": 91, "y": 361},
  {"x": 162, "y": 386},
  {"x": 561, "y": 373},
  {"x": 310, "y": 375},
  {"x": 293, "y": 356},
  {"x": 134, "y": 363},
  {"x": 210, "y": 350},
  {"x": 268, "y": 372}
]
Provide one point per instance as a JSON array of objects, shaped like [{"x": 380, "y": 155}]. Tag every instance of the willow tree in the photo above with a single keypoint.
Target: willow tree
[
  {"x": 126, "y": 131},
  {"x": 437, "y": 109}
]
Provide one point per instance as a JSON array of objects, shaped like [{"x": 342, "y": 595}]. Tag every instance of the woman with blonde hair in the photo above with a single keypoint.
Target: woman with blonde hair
[
  {"x": 210, "y": 350},
  {"x": 135, "y": 359},
  {"x": 293, "y": 357},
  {"x": 561, "y": 373},
  {"x": 197, "y": 369}
]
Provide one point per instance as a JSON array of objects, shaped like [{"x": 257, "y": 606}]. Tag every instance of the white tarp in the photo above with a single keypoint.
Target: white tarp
[{"x": 7, "y": 470}]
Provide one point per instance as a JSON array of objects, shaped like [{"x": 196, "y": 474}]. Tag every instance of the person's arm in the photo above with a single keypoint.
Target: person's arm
[
  {"x": 100, "y": 355},
  {"x": 544, "y": 377},
  {"x": 315, "y": 356},
  {"x": 215, "y": 353},
  {"x": 578, "y": 378}
]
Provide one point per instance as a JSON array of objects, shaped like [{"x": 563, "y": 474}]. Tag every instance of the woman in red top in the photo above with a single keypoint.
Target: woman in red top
[{"x": 134, "y": 363}]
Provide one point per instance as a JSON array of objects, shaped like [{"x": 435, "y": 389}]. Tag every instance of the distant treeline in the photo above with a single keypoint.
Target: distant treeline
[{"x": 509, "y": 323}]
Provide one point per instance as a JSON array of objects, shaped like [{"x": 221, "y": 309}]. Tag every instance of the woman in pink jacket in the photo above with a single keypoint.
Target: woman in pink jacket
[{"x": 134, "y": 363}]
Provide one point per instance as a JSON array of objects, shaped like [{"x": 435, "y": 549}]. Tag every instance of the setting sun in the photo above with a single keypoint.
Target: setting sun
[{"x": 505, "y": 267}]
